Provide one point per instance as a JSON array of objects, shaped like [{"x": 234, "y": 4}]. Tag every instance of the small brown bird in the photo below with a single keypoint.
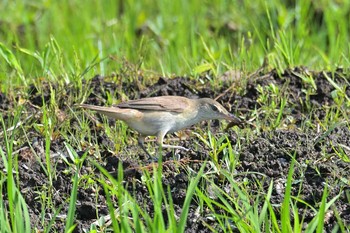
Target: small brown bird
[{"x": 157, "y": 116}]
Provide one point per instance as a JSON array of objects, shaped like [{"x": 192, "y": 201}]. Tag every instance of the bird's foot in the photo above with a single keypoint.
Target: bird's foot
[{"x": 175, "y": 147}]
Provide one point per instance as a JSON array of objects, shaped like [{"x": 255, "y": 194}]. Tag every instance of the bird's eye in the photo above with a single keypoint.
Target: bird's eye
[{"x": 214, "y": 108}]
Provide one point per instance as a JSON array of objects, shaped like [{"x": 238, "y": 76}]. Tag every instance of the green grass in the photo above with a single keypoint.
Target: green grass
[
  {"x": 50, "y": 39},
  {"x": 9, "y": 218},
  {"x": 66, "y": 43}
]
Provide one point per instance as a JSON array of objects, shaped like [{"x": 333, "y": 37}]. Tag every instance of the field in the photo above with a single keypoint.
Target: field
[{"x": 280, "y": 66}]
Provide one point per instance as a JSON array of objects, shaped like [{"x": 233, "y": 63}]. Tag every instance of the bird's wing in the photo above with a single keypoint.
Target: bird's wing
[{"x": 162, "y": 103}]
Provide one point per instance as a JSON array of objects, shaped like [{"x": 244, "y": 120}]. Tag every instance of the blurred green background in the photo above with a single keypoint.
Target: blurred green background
[{"x": 68, "y": 38}]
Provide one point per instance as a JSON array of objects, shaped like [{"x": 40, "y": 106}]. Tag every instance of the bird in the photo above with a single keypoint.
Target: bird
[{"x": 157, "y": 116}]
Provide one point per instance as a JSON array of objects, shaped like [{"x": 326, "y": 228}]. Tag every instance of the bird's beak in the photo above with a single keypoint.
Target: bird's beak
[
  {"x": 232, "y": 117},
  {"x": 234, "y": 120}
]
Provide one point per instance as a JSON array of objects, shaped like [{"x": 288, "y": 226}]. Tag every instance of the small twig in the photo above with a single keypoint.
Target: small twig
[{"x": 17, "y": 125}]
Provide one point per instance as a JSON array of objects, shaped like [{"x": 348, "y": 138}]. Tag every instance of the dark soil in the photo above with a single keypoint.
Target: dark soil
[{"x": 265, "y": 155}]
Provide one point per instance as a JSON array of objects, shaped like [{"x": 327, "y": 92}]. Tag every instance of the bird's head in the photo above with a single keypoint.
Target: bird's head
[{"x": 211, "y": 109}]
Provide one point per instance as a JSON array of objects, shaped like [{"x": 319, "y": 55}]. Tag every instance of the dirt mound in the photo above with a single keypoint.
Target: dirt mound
[{"x": 295, "y": 103}]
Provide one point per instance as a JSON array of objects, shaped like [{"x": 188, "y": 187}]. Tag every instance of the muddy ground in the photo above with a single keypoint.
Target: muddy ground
[{"x": 264, "y": 156}]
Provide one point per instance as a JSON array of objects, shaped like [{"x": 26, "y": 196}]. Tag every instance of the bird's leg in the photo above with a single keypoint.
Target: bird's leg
[
  {"x": 160, "y": 139},
  {"x": 140, "y": 141}
]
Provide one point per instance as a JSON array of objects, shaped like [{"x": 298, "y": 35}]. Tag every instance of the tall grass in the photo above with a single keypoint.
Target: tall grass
[{"x": 169, "y": 37}]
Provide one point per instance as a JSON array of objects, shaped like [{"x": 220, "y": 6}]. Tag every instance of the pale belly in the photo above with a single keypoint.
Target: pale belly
[{"x": 153, "y": 123}]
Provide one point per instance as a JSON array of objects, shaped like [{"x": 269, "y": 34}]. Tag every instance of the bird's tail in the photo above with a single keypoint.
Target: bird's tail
[
  {"x": 108, "y": 111},
  {"x": 113, "y": 112}
]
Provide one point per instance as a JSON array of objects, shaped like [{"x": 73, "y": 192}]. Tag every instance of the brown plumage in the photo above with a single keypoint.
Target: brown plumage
[{"x": 157, "y": 116}]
